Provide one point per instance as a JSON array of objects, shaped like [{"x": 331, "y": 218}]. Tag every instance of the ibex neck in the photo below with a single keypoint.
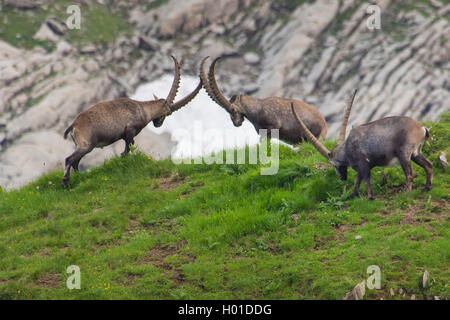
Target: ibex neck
[
  {"x": 250, "y": 107},
  {"x": 153, "y": 109}
]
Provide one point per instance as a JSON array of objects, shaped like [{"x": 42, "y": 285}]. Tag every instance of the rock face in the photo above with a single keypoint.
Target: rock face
[
  {"x": 357, "y": 293},
  {"x": 42, "y": 151},
  {"x": 319, "y": 52}
]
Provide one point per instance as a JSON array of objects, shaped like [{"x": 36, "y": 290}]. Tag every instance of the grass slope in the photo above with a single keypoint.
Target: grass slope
[
  {"x": 141, "y": 229},
  {"x": 100, "y": 24}
]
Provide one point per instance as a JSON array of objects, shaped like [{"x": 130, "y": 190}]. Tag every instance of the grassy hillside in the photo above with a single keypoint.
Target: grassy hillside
[
  {"x": 100, "y": 24},
  {"x": 143, "y": 229}
]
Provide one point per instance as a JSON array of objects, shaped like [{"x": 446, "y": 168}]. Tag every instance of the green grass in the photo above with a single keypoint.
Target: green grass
[
  {"x": 144, "y": 229},
  {"x": 18, "y": 28},
  {"x": 100, "y": 25},
  {"x": 155, "y": 4},
  {"x": 289, "y": 4}
]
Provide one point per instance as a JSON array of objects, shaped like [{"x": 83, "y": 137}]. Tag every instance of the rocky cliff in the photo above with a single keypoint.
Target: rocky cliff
[{"x": 317, "y": 51}]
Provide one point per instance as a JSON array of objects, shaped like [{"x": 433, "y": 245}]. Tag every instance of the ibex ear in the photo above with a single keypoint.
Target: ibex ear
[{"x": 154, "y": 96}]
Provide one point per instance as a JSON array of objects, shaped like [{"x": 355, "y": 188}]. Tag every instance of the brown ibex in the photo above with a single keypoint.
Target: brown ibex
[
  {"x": 374, "y": 144},
  {"x": 268, "y": 113},
  {"x": 110, "y": 121}
]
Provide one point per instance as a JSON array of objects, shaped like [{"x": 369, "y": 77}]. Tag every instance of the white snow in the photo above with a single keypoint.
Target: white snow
[{"x": 201, "y": 127}]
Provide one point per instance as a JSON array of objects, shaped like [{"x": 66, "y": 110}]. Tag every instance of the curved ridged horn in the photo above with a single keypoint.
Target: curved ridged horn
[
  {"x": 316, "y": 143},
  {"x": 187, "y": 99},
  {"x": 220, "y": 98},
  {"x": 344, "y": 123},
  {"x": 205, "y": 81},
  {"x": 175, "y": 84}
]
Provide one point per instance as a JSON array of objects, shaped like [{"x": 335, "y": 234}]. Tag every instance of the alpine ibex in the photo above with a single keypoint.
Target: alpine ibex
[
  {"x": 110, "y": 121},
  {"x": 373, "y": 144},
  {"x": 268, "y": 113}
]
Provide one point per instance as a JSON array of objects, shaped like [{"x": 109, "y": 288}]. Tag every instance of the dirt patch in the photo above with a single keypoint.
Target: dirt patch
[
  {"x": 170, "y": 183},
  {"x": 398, "y": 294},
  {"x": 322, "y": 166},
  {"x": 436, "y": 210},
  {"x": 107, "y": 245},
  {"x": 131, "y": 228},
  {"x": 128, "y": 280},
  {"x": 44, "y": 254},
  {"x": 166, "y": 224},
  {"x": 132, "y": 225},
  {"x": 342, "y": 228},
  {"x": 421, "y": 212},
  {"x": 418, "y": 214},
  {"x": 193, "y": 187},
  {"x": 157, "y": 255},
  {"x": 135, "y": 226},
  {"x": 49, "y": 280},
  {"x": 345, "y": 227},
  {"x": 397, "y": 189}
]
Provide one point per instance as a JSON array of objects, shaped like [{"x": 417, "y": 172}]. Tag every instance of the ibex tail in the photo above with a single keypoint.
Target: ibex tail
[{"x": 68, "y": 130}]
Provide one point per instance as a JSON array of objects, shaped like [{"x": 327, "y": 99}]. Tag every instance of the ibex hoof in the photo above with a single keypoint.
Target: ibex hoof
[
  {"x": 353, "y": 196},
  {"x": 427, "y": 188},
  {"x": 406, "y": 188},
  {"x": 64, "y": 184}
]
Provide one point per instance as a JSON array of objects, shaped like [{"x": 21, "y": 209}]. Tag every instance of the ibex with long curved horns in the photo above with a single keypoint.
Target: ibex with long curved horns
[
  {"x": 110, "y": 121},
  {"x": 374, "y": 144},
  {"x": 268, "y": 113}
]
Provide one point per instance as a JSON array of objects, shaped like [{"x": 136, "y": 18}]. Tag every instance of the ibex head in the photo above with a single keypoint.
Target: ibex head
[
  {"x": 337, "y": 157},
  {"x": 232, "y": 106},
  {"x": 168, "y": 102},
  {"x": 158, "y": 121}
]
